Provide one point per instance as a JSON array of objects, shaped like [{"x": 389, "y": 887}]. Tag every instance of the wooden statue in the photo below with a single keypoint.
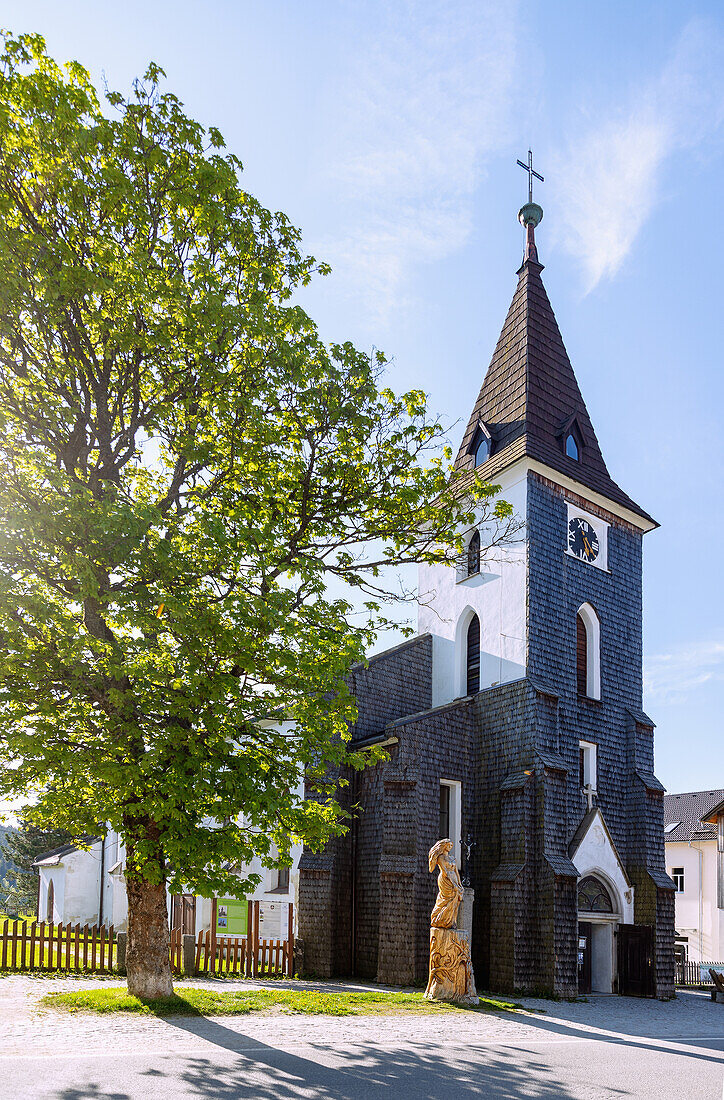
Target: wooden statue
[{"x": 451, "y": 971}]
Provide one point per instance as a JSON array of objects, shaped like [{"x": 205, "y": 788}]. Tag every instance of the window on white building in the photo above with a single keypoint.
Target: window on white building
[
  {"x": 474, "y": 554},
  {"x": 282, "y": 879},
  {"x": 472, "y": 685},
  {"x": 677, "y": 874}
]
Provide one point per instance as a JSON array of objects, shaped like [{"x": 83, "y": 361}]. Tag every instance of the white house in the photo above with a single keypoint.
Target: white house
[
  {"x": 694, "y": 836},
  {"x": 81, "y": 885}
]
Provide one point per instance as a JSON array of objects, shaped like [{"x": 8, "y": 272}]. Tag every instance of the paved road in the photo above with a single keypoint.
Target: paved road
[
  {"x": 235, "y": 1068},
  {"x": 607, "y": 1047}
]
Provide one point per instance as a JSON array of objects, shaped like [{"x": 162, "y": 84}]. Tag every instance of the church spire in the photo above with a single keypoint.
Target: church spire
[{"x": 530, "y": 405}]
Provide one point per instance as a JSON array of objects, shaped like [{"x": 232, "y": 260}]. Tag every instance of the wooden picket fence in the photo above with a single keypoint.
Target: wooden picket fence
[
  {"x": 175, "y": 944},
  {"x": 50, "y": 946},
  {"x": 696, "y": 973},
  {"x": 53, "y": 946}
]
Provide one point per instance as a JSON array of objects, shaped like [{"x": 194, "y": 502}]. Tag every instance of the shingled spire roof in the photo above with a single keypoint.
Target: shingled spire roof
[{"x": 530, "y": 398}]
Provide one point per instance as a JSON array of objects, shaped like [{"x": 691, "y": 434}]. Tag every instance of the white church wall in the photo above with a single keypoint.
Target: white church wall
[
  {"x": 118, "y": 912},
  {"x": 82, "y": 886},
  {"x": 76, "y": 882},
  {"x": 115, "y": 906},
  {"x": 497, "y": 595},
  {"x": 56, "y": 875},
  {"x": 596, "y": 855}
]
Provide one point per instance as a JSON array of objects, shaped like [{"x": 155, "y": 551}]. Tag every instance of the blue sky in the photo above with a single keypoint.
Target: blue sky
[{"x": 389, "y": 133}]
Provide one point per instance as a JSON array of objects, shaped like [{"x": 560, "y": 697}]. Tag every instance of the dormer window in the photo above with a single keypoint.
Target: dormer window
[
  {"x": 571, "y": 438},
  {"x": 481, "y": 447}
]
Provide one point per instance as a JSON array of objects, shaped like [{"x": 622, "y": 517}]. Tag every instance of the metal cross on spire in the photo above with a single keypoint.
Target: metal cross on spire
[{"x": 531, "y": 172}]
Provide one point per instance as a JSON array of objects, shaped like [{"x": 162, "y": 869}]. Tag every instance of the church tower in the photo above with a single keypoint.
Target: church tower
[{"x": 514, "y": 718}]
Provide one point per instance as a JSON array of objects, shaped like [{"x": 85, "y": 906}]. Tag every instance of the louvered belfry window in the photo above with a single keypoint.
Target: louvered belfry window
[
  {"x": 474, "y": 554},
  {"x": 581, "y": 656},
  {"x": 473, "y": 655}
]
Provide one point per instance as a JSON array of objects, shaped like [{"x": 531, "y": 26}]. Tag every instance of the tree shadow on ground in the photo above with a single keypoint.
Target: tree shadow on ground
[
  {"x": 361, "y": 1070},
  {"x": 245, "y": 1068},
  {"x": 92, "y": 1091},
  {"x": 643, "y": 1033}
]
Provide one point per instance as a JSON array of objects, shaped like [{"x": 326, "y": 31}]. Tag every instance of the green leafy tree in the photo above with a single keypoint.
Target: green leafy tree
[
  {"x": 184, "y": 466},
  {"x": 20, "y": 847}
]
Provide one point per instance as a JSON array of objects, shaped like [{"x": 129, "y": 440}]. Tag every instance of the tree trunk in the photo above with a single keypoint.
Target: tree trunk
[{"x": 148, "y": 966}]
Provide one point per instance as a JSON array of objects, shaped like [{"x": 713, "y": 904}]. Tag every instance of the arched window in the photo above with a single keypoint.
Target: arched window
[
  {"x": 581, "y": 656},
  {"x": 588, "y": 652},
  {"x": 474, "y": 554},
  {"x": 572, "y": 446},
  {"x": 473, "y": 656},
  {"x": 51, "y": 900},
  {"x": 593, "y": 897}
]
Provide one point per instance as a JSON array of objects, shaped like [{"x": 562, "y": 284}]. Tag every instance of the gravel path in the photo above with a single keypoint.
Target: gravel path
[{"x": 25, "y": 1026}]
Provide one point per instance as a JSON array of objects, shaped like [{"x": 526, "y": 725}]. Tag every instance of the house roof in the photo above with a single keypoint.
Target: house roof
[
  {"x": 684, "y": 812},
  {"x": 64, "y": 850},
  {"x": 530, "y": 398}
]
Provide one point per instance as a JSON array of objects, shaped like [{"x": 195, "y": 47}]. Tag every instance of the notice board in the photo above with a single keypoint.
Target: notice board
[
  {"x": 273, "y": 920},
  {"x": 231, "y": 916}
]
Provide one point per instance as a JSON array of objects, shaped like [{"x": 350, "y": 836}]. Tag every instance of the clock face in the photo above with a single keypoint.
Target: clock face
[{"x": 582, "y": 539}]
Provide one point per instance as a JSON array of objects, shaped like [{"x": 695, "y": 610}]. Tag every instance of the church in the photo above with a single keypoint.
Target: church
[{"x": 513, "y": 721}]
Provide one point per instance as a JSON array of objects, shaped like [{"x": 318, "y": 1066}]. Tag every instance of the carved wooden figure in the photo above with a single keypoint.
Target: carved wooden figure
[{"x": 451, "y": 972}]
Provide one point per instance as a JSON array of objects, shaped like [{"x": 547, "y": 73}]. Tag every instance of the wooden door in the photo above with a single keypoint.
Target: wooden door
[
  {"x": 636, "y": 960},
  {"x": 183, "y": 913},
  {"x": 584, "y": 956}
]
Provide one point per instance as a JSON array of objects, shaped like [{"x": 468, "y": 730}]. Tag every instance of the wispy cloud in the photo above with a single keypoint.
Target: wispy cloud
[
  {"x": 671, "y": 677},
  {"x": 610, "y": 177},
  {"x": 427, "y": 101}
]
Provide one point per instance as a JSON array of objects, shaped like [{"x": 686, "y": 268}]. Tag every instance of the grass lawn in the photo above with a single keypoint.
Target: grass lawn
[{"x": 315, "y": 1002}]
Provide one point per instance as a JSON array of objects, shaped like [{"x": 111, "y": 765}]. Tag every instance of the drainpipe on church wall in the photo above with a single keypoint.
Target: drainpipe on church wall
[
  {"x": 353, "y": 883},
  {"x": 701, "y": 902},
  {"x": 103, "y": 875}
]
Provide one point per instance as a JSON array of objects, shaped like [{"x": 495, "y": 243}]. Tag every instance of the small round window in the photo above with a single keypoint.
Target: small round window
[{"x": 482, "y": 451}]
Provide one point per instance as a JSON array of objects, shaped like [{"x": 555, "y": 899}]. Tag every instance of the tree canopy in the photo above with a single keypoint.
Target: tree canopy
[{"x": 184, "y": 465}]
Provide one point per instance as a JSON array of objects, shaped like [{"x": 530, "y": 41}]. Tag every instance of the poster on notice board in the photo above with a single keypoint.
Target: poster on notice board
[
  {"x": 273, "y": 919},
  {"x": 231, "y": 916}
]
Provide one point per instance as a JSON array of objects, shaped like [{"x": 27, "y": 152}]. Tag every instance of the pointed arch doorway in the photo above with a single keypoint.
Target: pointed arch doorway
[{"x": 598, "y": 918}]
